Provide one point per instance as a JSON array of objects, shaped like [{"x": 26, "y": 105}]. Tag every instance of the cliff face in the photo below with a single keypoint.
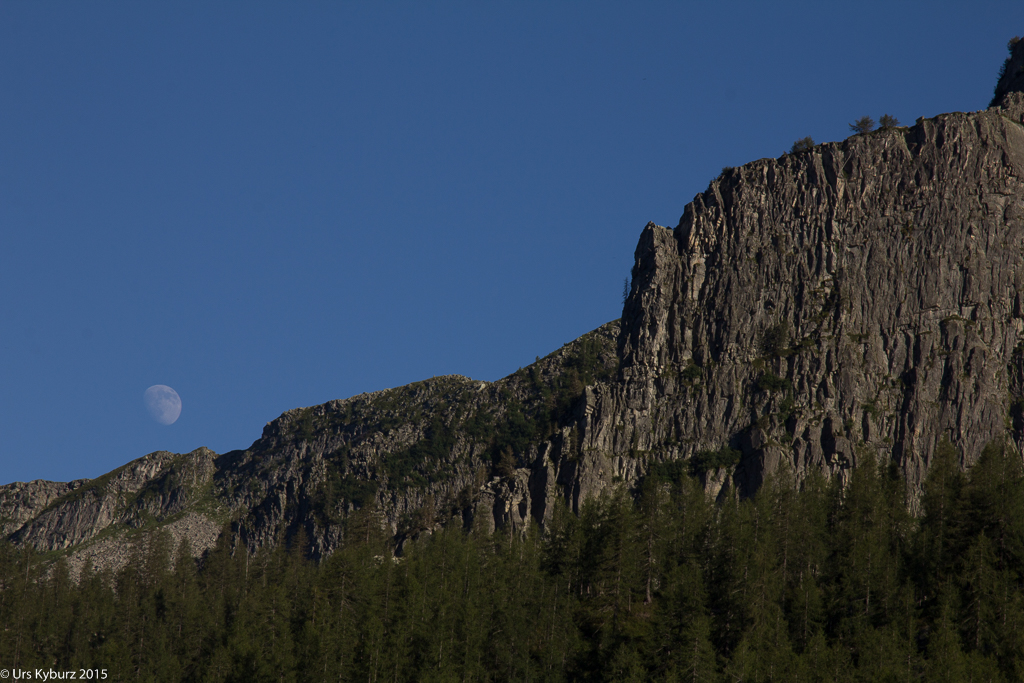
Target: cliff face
[{"x": 863, "y": 298}]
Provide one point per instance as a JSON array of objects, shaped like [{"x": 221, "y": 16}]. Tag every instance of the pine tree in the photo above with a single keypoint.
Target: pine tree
[
  {"x": 805, "y": 559},
  {"x": 887, "y": 121},
  {"x": 186, "y": 616},
  {"x": 764, "y": 651},
  {"x": 867, "y": 585},
  {"x": 864, "y": 124},
  {"x": 611, "y": 613},
  {"x": 995, "y": 504},
  {"x": 728, "y": 574},
  {"x": 260, "y": 637},
  {"x": 223, "y": 581},
  {"x": 802, "y": 145},
  {"x": 940, "y": 540},
  {"x": 946, "y": 660},
  {"x": 682, "y": 627},
  {"x": 993, "y": 564}
]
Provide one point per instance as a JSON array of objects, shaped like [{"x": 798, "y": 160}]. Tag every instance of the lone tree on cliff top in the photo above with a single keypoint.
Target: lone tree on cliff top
[
  {"x": 864, "y": 124},
  {"x": 802, "y": 145},
  {"x": 888, "y": 121}
]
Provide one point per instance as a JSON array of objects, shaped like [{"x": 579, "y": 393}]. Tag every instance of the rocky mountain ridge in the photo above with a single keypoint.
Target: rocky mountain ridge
[{"x": 862, "y": 298}]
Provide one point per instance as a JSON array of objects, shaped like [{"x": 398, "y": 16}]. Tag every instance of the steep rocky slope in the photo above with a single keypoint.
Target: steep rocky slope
[
  {"x": 432, "y": 452},
  {"x": 860, "y": 298}
]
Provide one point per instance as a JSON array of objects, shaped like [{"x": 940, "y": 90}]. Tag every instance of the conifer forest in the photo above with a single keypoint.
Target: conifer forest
[{"x": 816, "y": 582}]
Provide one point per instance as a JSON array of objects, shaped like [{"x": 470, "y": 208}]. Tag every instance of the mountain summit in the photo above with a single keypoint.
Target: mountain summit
[{"x": 854, "y": 301}]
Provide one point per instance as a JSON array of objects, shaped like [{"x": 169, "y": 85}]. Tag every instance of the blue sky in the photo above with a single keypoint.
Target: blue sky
[{"x": 272, "y": 205}]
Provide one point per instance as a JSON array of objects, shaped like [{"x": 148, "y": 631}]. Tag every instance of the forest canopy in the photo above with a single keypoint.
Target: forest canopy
[{"x": 808, "y": 583}]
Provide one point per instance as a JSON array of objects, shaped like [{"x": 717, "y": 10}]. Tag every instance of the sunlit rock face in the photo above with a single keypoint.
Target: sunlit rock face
[{"x": 862, "y": 298}]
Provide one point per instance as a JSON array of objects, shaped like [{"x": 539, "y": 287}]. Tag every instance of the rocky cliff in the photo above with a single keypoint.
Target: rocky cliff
[
  {"x": 445, "y": 450},
  {"x": 862, "y": 297},
  {"x": 859, "y": 299}
]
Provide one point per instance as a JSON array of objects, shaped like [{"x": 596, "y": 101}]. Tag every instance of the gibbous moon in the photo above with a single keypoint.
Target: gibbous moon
[{"x": 163, "y": 403}]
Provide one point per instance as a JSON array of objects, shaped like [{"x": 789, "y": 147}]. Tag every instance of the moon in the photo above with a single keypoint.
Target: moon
[{"x": 163, "y": 403}]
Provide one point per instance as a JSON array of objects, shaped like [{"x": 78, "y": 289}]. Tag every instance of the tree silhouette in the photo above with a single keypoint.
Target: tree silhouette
[
  {"x": 802, "y": 145},
  {"x": 864, "y": 124},
  {"x": 888, "y": 121}
]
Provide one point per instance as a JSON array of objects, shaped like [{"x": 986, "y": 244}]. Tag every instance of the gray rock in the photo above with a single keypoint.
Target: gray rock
[{"x": 892, "y": 265}]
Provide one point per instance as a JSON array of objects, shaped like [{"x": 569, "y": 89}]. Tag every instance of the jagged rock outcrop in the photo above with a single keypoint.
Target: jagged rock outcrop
[
  {"x": 861, "y": 299},
  {"x": 488, "y": 454},
  {"x": 159, "y": 485},
  {"x": 99, "y": 519},
  {"x": 448, "y": 449},
  {"x": 21, "y": 501}
]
